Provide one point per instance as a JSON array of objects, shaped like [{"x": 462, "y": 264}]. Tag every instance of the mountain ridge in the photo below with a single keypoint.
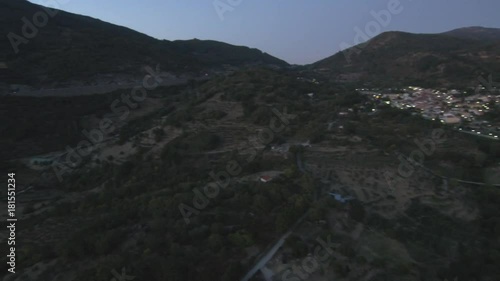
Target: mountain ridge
[
  {"x": 73, "y": 48},
  {"x": 70, "y": 46},
  {"x": 475, "y": 33},
  {"x": 402, "y": 58}
]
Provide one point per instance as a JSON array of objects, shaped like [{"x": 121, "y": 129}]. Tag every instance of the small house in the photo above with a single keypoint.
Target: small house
[{"x": 266, "y": 179}]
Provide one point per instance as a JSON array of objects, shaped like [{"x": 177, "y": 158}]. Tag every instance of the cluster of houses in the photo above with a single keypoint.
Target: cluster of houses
[
  {"x": 448, "y": 106},
  {"x": 451, "y": 106}
]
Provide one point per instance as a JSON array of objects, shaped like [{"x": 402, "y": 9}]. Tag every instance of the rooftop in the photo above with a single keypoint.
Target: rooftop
[{"x": 266, "y": 178}]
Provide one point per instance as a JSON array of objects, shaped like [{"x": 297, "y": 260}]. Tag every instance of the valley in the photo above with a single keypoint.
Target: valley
[
  {"x": 137, "y": 158},
  {"x": 231, "y": 138}
]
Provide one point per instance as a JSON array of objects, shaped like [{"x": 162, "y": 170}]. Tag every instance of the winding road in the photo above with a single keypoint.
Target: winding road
[{"x": 270, "y": 254}]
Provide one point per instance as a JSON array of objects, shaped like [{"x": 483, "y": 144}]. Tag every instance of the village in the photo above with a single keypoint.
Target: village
[{"x": 464, "y": 110}]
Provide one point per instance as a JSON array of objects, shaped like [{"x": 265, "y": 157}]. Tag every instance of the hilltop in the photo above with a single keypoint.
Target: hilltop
[
  {"x": 475, "y": 33},
  {"x": 72, "y": 47},
  {"x": 424, "y": 59}
]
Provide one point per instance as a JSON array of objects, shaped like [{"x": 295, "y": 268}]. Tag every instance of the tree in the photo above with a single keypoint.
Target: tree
[
  {"x": 215, "y": 242},
  {"x": 357, "y": 211},
  {"x": 241, "y": 239},
  {"x": 158, "y": 134}
]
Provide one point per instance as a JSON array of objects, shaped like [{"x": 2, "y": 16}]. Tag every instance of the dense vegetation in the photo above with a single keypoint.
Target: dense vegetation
[
  {"x": 71, "y": 46},
  {"x": 133, "y": 214},
  {"x": 397, "y": 58}
]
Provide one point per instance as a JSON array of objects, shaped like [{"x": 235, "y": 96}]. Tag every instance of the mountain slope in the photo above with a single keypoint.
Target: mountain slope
[
  {"x": 74, "y": 47},
  {"x": 475, "y": 33},
  {"x": 398, "y": 57}
]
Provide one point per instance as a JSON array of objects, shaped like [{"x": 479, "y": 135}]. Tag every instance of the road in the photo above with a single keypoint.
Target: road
[
  {"x": 270, "y": 254},
  {"x": 477, "y": 135},
  {"x": 97, "y": 89},
  {"x": 267, "y": 257},
  {"x": 444, "y": 177}
]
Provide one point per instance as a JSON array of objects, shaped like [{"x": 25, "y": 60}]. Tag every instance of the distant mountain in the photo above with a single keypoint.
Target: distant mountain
[
  {"x": 75, "y": 47},
  {"x": 475, "y": 33},
  {"x": 394, "y": 58}
]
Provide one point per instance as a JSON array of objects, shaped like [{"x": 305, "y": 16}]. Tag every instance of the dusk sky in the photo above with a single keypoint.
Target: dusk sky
[{"x": 297, "y": 31}]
